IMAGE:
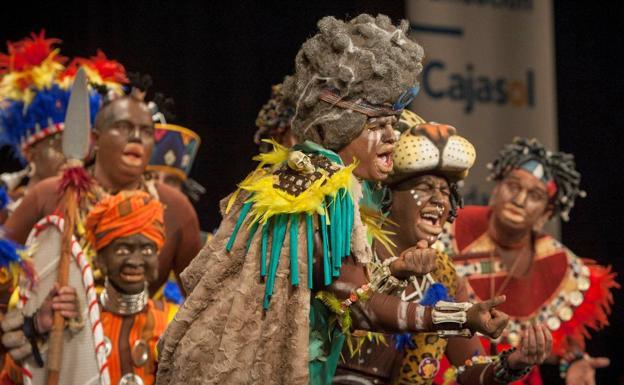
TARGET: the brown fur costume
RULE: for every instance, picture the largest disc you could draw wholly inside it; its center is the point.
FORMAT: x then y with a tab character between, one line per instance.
221	334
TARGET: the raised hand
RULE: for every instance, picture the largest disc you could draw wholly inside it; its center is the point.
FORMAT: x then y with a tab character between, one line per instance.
417	260
482	317
583	372
535	347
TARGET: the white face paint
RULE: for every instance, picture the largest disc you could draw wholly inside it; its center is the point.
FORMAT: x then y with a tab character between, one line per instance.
372	149
373	137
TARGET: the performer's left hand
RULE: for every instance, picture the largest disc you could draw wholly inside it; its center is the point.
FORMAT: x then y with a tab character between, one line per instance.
417	260
583	371
535	347
62	299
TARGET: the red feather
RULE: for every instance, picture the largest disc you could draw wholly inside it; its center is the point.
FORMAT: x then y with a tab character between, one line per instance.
28	53
592	313
108	69
77	178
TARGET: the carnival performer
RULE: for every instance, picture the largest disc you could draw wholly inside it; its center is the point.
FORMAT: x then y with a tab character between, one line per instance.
22	335
430	160
127	231
501	249
175	148
123	138
33	102
12	264
273	121
293	230
34	93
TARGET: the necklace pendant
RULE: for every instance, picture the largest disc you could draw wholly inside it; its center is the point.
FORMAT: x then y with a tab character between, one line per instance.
131	379
108	346
140	353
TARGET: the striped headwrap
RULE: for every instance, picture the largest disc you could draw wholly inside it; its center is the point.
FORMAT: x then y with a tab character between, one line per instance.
124	214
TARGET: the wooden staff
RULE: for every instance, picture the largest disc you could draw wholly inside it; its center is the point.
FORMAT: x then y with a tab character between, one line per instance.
55	351
75	181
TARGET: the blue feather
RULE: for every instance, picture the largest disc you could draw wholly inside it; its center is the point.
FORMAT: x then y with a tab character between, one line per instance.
8	252
18	121
4	198
402	341
172	293
436	292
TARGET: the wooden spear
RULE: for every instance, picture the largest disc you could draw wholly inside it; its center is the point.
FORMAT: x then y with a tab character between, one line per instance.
74	182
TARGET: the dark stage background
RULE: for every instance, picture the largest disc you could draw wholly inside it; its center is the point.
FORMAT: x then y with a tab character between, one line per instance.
218	59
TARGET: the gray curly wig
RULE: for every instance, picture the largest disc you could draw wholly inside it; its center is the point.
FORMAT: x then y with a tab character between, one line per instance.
364	59
559	166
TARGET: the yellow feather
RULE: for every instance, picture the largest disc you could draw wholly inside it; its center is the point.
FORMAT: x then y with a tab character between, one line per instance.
272	158
374	222
269	201
277	156
39	77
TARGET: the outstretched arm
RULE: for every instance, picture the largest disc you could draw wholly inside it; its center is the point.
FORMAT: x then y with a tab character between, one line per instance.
383	312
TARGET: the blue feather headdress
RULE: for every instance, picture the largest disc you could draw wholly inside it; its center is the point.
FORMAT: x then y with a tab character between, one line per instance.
35	87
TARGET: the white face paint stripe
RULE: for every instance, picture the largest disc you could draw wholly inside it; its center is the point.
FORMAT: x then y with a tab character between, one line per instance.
419	319
402	315
374	138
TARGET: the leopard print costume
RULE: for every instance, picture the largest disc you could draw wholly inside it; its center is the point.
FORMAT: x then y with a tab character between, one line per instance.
421	363
407	120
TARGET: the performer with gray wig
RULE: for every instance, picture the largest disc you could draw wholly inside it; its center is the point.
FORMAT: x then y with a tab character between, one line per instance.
292	248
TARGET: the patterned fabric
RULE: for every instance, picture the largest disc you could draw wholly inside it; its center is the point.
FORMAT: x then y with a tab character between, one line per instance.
422	362
295	183
174	150
124	334
124	214
569	294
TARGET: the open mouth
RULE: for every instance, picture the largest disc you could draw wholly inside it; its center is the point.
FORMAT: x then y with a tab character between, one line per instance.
132	274
133	154
384	159
430	220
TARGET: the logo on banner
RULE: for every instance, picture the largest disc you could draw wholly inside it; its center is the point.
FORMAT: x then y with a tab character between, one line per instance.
473	88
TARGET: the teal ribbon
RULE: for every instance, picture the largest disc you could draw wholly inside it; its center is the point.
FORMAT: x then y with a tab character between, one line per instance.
336	235
264	246
326	269
310	239
294	260
279	232
239	222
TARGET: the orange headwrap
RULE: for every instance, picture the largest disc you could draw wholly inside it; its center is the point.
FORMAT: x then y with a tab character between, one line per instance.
125	214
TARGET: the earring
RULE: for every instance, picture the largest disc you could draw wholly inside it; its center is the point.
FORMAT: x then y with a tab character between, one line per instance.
31	169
